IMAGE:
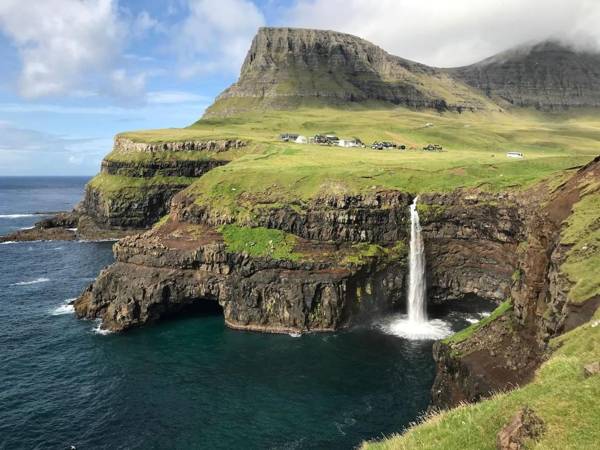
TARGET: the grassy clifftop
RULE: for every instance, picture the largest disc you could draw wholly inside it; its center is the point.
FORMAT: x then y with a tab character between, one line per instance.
475	153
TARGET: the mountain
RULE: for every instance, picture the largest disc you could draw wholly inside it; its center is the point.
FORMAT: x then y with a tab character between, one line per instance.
547	75
289	67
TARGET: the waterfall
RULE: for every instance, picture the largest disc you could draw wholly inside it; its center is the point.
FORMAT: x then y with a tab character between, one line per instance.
415	325
416	274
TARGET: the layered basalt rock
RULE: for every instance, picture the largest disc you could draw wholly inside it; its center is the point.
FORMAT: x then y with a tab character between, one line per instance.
180	264
177	168
471	242
127	145
264	294
137	209
378	217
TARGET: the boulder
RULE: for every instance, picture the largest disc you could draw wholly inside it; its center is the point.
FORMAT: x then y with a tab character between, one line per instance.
525	424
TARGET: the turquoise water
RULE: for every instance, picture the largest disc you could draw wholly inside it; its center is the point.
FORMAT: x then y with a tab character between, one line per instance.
187	382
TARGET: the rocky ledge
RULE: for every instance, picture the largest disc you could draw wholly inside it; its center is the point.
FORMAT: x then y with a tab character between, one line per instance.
177	265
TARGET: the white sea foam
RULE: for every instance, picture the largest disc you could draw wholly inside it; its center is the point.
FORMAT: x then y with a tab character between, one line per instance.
21	242
92	241
27	228
16	216
101	331
27	283
65	308
400	325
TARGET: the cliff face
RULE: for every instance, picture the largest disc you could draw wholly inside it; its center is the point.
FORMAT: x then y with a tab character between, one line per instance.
505	353
186	261
287	67
178	265
547	76
138	180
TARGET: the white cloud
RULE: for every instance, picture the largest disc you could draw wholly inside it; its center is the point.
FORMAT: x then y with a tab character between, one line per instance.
20	146
126	87
447	33
216	35
175	97
67	46
145	23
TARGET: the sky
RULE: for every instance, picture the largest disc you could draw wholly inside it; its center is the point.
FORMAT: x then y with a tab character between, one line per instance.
76	72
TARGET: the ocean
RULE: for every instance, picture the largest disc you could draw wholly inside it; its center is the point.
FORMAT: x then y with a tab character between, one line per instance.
186	383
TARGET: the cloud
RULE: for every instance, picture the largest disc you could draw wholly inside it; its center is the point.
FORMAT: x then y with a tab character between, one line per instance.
215	36
175	97
449	33
145	23
68	45
20	146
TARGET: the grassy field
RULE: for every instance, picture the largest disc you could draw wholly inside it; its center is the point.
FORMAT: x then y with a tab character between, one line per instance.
475	153
566	401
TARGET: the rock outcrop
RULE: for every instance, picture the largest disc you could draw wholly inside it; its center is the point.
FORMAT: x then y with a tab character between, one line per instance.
166	269
524	425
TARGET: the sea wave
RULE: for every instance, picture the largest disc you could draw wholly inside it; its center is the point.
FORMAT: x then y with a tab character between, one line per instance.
99	330
27	283
27	228
93	241
21	242
16	216
65	308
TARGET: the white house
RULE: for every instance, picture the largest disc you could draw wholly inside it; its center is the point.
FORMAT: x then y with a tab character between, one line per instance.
514	155
348	143
301	140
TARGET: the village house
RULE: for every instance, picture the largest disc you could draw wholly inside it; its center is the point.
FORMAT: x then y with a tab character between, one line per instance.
288	137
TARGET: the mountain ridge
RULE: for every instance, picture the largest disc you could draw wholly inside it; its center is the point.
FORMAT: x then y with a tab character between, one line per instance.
290	67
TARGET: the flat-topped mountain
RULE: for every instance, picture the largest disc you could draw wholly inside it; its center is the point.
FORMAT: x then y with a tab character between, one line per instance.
547	75
289	67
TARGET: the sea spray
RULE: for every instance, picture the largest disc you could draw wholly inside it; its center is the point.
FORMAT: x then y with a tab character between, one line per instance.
416	276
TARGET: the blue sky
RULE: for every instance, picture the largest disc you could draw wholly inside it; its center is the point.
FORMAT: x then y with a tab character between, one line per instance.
76	72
